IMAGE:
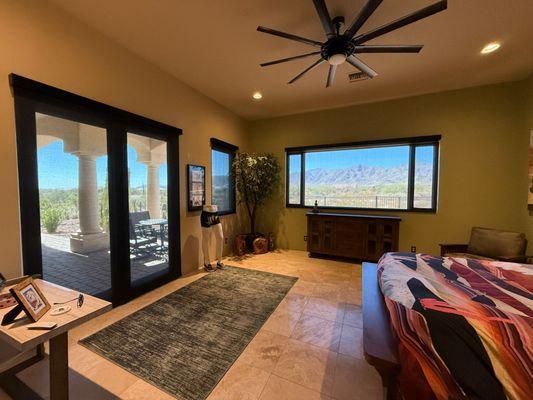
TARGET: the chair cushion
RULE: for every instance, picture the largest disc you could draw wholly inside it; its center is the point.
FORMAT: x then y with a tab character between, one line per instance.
467	255
494	243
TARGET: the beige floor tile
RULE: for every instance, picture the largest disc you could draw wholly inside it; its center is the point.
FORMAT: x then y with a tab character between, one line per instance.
81	386
281	389
318	332
241	382
307	365
37	377
293	303
350	294
335	277
351	343
353	315
329	291
82	359
326	309
142	390
282	322
110	376
303	287
356	380
308	275
264	350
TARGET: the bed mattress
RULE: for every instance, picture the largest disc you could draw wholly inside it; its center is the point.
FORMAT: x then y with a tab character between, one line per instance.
464	326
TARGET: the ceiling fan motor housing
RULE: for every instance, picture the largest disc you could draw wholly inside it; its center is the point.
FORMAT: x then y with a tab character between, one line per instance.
337	45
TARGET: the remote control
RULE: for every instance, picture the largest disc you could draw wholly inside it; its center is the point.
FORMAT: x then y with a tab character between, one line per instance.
43	326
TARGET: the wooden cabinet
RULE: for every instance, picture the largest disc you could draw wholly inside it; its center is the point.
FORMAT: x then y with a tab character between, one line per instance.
363	237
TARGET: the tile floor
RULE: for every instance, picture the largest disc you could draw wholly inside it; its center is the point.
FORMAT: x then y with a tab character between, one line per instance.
310	348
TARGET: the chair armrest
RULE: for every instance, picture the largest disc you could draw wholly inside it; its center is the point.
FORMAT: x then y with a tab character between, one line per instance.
514	259
446	248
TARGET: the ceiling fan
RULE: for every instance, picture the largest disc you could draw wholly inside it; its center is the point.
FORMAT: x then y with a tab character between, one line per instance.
340	47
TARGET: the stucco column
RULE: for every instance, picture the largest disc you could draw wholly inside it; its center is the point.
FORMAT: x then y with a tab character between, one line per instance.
88	195
153	195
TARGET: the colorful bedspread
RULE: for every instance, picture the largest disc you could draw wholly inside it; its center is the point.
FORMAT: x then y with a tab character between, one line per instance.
465	326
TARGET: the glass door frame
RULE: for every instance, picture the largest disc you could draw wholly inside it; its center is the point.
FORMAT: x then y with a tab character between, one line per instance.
31	97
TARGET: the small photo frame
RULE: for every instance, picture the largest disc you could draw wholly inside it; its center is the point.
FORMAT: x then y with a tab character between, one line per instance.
30	299
196	187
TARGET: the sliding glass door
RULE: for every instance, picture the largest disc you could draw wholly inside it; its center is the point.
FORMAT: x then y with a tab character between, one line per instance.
148	207
99	193
73	204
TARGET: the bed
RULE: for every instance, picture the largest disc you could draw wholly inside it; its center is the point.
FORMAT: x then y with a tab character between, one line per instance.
449	328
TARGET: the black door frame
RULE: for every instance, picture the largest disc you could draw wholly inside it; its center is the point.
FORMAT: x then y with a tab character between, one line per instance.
32	97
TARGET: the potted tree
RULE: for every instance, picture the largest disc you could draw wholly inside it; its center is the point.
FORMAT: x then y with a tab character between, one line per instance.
256	178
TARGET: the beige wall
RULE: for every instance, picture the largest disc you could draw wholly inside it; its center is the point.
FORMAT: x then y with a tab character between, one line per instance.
483	164
40	42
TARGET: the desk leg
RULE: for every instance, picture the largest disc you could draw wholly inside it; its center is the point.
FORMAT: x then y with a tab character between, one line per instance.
59	367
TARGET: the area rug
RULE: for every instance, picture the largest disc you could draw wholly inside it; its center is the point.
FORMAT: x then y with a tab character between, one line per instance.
185	342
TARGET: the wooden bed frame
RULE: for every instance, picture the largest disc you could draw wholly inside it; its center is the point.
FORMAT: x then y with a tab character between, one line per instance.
379	342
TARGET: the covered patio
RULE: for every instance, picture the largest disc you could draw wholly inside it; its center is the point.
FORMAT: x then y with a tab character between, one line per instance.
88	273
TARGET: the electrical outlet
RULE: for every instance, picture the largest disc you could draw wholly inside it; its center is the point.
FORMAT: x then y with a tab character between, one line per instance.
413	249
305	238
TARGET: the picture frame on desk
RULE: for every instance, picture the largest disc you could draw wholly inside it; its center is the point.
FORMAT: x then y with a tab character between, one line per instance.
30	299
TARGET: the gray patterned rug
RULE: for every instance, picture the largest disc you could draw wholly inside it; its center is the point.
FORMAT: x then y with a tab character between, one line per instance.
185	342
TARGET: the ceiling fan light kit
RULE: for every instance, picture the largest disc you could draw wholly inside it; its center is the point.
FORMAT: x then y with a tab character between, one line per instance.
343	47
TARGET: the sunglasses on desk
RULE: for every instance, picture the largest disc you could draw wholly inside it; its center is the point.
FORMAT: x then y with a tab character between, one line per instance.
79	299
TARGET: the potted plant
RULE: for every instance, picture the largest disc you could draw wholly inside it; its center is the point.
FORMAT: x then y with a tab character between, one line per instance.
256	178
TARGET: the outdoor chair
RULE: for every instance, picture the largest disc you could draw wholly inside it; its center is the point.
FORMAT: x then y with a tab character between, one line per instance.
142	238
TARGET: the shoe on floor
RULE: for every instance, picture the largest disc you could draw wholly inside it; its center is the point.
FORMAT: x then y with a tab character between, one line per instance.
208	268
221	266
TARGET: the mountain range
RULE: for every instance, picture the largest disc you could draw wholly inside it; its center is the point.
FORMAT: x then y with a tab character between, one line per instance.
364	175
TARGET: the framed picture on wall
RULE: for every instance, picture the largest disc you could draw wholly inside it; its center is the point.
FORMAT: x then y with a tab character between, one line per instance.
196	187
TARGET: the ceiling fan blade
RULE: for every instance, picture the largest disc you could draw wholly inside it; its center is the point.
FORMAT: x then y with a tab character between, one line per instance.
314	53
320	60
331	75
362	17
361	66
323	14
397	48
288	36
399	23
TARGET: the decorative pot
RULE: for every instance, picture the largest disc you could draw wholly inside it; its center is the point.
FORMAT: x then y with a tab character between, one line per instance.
240	245
260	245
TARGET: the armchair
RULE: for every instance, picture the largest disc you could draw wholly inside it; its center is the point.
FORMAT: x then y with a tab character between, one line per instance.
490	244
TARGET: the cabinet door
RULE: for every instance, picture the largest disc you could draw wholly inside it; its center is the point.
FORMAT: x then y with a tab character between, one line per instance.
373	243
314	242
328	236
388	238
350	237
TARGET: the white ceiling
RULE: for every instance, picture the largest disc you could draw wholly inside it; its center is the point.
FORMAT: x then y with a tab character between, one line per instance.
213	46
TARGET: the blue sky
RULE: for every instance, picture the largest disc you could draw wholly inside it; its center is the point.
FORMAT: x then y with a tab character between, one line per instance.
374	157
59	170
220	163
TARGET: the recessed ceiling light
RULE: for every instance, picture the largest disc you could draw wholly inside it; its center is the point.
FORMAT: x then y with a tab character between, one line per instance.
491	47
257	96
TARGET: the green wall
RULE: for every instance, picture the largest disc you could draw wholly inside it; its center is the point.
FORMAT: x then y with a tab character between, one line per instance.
483	161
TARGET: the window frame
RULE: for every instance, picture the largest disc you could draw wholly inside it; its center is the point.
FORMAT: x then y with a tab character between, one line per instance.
412	142
231	150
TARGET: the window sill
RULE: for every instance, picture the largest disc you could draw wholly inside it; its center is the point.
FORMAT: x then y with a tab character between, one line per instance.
396	210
